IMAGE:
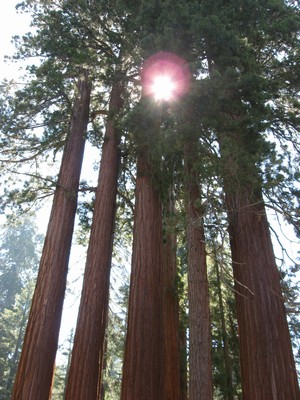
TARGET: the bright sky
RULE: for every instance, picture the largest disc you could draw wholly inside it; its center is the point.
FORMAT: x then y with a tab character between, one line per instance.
11	23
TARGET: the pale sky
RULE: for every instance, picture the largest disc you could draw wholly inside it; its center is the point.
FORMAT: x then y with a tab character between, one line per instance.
11	23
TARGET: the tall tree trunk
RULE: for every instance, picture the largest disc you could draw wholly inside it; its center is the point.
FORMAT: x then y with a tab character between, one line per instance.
200	369
227	361
171	313
35	370
267	364
87	354
142	370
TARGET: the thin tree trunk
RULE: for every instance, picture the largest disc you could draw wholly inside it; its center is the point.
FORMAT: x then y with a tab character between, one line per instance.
70	341
87	354
236	370
183	359
101	388
227	361
267	365
142	369
200	369
35	370
171	314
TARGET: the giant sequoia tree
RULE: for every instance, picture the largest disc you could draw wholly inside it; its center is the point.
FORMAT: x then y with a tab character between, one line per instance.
35	370
143	369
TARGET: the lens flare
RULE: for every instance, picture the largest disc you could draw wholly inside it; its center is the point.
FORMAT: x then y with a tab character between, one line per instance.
163	87
165	76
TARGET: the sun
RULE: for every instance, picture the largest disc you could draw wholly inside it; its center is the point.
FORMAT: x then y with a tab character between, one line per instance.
165	77
163	87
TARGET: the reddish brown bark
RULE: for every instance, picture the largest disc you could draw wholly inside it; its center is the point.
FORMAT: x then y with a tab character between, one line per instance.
267	364
172	362
142	370
200	362
35	370
87	354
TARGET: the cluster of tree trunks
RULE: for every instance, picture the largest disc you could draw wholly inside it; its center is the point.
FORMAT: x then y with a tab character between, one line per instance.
87	355
152	364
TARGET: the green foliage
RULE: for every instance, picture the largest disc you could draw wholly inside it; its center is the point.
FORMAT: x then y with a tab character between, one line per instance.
66	39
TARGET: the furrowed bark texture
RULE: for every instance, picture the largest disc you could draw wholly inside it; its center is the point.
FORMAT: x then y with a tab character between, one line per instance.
267	364
171	319
35	370
142	370
200	369
87	354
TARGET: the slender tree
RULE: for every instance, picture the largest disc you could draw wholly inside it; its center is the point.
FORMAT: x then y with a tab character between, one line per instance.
223	359
87	355
35	370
